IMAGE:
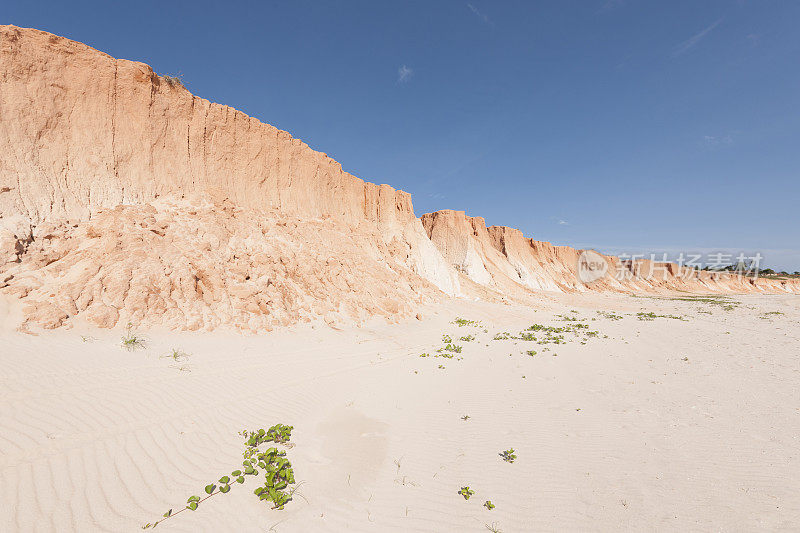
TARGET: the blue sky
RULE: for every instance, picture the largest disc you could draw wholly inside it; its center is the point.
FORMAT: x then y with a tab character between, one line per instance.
614	124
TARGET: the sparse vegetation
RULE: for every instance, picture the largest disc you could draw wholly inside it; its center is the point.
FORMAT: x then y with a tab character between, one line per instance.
466	492
652	316
131	340
488	504
609	315
176	355
461	322
278	472
172	80
509	455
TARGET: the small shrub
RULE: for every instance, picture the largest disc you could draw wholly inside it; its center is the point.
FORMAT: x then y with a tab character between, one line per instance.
172	81
488	504
466	492
131	340
508	456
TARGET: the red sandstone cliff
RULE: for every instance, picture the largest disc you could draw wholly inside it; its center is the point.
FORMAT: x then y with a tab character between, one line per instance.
82	133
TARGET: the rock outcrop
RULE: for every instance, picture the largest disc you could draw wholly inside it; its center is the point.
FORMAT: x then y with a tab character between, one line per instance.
82	133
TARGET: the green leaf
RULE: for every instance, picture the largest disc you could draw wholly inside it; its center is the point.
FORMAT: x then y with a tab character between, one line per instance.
192	506
236	473
240	479
224	479
146	526
167	514
224	488
193	499
210	488
259	490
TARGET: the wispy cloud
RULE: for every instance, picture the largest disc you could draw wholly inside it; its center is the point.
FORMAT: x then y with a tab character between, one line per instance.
404	74
711	140
611	4
692	41
562	222
480	15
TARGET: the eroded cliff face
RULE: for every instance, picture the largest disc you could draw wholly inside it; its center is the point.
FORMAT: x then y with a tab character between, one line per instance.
503	259
125	198
82	133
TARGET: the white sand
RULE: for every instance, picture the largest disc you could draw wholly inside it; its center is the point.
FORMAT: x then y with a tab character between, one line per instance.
621	433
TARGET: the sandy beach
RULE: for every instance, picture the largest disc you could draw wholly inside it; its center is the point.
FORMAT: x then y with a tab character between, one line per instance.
683	421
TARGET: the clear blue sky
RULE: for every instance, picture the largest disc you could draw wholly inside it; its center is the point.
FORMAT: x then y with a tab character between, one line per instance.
616	124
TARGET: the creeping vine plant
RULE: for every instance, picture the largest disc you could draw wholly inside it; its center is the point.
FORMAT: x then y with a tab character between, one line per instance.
278	472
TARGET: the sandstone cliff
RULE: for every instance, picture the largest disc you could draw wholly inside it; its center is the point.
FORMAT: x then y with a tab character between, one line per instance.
503	259
82	133
123	197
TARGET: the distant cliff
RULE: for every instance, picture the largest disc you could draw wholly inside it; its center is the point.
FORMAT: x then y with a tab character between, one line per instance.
502	258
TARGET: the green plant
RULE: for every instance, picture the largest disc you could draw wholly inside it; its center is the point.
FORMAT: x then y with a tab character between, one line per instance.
467	338
609	315
531	352
465	417
508	455
460	322
454	348
488	504
131	340
425	355
278	472
653	316
446	339
502	336
176	355
493	528
466	492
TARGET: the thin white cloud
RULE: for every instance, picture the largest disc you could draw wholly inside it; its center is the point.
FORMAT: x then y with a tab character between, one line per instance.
480	15
692	41
404	73
711	140
612	4
562	222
